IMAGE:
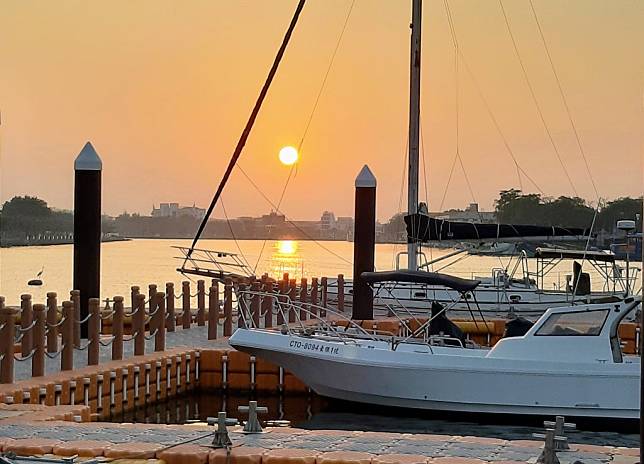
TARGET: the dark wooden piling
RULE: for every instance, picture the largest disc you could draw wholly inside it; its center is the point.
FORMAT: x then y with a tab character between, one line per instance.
242	303
138	326
87	230
159	323
283	290
325	296
256	303
228	308
340	284
267	304
75	298
67	338
52	323
292	294
313	308
185	304
201	303
170	320
26	320
213	310
117	329
94	331
303	299
38	358
364	243
7	335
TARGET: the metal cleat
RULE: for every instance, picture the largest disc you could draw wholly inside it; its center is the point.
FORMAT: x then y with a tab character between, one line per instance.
221	440
559	426
549	453
252	425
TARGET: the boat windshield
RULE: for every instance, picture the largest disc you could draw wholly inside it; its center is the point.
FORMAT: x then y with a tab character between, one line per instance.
584	323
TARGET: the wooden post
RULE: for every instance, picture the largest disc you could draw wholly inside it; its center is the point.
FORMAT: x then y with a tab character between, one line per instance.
67	339
75	298
138	326
292	293
267	304
26	319
213	310
201	303
185	300
364	243
159	337
325	293
242	311
152	304
87	231
52	320
283	290
341	292
228	307
94	331
304	289
170	320
7	335
117	329
38	359
314	296
256	303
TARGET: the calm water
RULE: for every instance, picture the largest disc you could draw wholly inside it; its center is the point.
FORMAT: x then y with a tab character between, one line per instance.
145	261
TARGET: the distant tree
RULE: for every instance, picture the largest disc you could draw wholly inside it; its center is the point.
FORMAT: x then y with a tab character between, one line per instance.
514	207
568	212
395	228
25	207
621	208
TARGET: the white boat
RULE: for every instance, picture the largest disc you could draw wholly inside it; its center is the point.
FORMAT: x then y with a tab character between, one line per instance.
569	363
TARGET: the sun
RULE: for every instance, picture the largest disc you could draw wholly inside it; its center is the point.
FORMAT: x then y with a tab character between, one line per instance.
288	156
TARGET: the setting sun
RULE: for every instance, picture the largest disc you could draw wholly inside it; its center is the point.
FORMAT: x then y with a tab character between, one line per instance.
288	156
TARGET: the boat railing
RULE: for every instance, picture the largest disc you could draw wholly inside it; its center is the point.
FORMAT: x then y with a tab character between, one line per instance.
212	263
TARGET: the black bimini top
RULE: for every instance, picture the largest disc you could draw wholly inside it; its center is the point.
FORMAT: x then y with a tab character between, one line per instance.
421	277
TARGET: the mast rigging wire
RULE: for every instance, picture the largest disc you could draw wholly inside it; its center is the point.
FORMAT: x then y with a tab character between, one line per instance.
249	124
564	99
534	98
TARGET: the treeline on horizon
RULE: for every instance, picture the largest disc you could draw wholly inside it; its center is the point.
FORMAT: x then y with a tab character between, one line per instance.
31	215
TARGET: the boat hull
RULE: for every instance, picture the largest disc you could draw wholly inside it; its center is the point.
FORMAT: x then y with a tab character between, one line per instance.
461	381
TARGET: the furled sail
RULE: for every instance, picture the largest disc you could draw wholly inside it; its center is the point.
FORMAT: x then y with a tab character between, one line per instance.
422	228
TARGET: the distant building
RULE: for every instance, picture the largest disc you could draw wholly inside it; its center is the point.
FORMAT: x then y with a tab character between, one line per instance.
174	210
469	214
327	221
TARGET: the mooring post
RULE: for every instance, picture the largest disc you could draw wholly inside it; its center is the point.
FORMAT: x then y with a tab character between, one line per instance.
228	307
185	303
364	243
152	305
7	335
67	339
340	283
256	303
325	296
74	295
159	337
213	310
281	301
267	304
26	319
292	294
314	296
87	229
94	331
242	311
138	326
201	303
304	290
117	329
38	359
170	320
52	320
134	291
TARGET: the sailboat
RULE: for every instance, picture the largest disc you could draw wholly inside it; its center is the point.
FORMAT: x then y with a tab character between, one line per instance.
569	362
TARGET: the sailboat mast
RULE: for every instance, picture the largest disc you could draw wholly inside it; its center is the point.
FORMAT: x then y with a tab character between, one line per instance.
414	124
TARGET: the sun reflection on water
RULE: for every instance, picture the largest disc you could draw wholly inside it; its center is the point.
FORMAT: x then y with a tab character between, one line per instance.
285	258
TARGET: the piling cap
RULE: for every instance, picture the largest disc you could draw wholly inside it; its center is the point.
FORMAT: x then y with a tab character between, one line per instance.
88	159
366	178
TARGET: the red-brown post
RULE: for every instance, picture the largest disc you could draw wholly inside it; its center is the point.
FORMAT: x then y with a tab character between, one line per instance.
138	326
304	296
117	329
38	359
93	331
292	293
256	303
187	315
74	295
267	304
152	304
159	337
170	320
133	293
285	277
242	309
201	303
67	340
52	320
26	319
213	310
283	290
314	296
325	294
7	334
228	308
341	292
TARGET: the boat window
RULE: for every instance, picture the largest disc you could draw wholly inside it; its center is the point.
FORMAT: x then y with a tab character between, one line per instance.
577	323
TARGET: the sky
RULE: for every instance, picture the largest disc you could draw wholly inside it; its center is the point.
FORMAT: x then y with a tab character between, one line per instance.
163	89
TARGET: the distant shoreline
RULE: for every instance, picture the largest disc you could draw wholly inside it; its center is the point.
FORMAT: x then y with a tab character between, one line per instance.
32	243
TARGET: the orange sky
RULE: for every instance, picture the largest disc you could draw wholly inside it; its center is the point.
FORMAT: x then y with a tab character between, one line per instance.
163	89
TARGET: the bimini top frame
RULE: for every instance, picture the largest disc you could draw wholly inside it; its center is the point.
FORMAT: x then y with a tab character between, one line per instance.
217	265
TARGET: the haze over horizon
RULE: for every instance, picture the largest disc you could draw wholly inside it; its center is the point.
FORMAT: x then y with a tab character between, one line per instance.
163	90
